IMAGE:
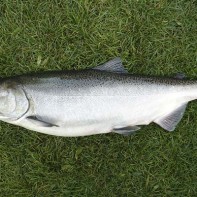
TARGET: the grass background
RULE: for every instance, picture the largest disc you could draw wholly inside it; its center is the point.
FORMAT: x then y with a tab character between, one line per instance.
153	37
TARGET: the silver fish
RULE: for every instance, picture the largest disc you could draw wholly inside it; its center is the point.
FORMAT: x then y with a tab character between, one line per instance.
92	101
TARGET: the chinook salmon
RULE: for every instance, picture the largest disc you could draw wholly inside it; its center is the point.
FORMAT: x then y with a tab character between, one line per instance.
92	101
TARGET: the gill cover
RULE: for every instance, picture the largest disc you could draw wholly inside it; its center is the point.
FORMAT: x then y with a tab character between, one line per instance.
13	101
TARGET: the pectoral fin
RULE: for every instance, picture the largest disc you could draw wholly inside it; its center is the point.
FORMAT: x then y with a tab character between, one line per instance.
170	121
126	131
34	120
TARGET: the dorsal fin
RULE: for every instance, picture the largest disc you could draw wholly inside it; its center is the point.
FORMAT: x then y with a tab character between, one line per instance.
114	65
169	121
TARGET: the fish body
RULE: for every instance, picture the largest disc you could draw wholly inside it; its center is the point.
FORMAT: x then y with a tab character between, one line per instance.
92	101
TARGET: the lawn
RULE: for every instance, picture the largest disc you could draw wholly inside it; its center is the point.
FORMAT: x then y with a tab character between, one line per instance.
153	37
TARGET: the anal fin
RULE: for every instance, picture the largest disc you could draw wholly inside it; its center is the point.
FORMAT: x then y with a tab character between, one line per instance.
170	121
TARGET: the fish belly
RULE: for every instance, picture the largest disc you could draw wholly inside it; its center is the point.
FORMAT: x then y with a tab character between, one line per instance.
88	115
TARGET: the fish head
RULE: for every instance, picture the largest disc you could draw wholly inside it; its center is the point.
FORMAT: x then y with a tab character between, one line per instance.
13	101
7	100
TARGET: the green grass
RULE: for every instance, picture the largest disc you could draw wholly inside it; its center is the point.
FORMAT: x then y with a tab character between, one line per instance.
152	37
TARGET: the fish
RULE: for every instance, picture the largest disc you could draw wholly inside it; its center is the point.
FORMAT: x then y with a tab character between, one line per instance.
103	99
